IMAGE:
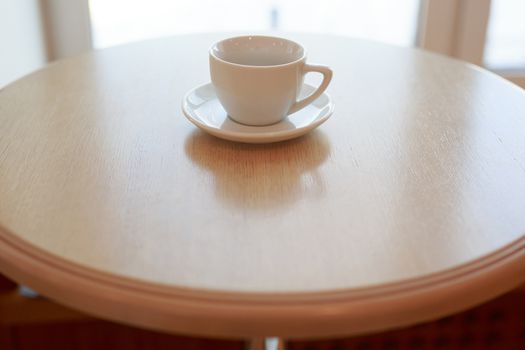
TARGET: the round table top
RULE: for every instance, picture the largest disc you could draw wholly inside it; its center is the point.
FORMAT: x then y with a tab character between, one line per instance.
405	206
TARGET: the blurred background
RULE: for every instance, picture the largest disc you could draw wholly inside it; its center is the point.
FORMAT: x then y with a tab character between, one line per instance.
490	33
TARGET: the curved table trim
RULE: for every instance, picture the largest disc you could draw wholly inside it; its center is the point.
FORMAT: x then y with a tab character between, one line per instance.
290	315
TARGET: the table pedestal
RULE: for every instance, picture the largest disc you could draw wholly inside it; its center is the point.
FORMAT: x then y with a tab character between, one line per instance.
269	343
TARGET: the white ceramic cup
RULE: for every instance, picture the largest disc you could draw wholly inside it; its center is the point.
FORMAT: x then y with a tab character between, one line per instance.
258	78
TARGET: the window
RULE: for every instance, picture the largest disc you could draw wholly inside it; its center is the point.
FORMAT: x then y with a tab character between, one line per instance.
505	47
486	32
119	21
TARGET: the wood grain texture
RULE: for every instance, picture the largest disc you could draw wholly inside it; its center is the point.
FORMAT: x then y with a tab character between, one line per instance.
405	206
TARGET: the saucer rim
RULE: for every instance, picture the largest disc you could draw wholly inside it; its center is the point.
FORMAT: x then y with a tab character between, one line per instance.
221	133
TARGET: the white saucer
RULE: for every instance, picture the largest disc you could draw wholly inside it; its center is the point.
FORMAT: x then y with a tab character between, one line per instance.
203	109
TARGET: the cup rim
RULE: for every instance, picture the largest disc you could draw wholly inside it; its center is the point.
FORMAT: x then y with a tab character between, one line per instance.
303	56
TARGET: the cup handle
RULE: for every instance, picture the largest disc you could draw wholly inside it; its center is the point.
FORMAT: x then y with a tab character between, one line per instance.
327	76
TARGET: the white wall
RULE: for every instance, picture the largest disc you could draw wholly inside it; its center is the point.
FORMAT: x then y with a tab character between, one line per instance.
22	47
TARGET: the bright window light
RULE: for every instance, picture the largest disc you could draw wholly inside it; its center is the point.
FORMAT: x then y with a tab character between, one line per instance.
120	21
505	48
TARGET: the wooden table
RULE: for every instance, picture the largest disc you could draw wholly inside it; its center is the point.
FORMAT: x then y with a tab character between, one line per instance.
407	205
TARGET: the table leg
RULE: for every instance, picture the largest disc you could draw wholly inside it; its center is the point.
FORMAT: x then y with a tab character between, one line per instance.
268	343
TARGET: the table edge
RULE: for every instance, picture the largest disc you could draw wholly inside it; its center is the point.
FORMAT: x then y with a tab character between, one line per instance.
247	314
